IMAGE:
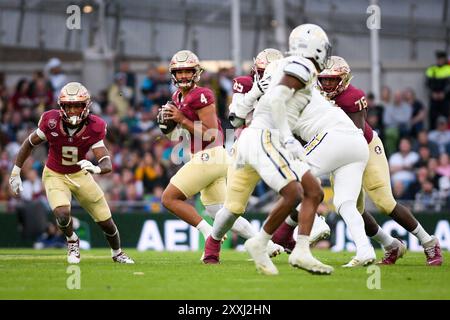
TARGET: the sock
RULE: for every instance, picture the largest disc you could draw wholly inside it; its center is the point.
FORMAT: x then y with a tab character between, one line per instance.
243	228
204	228
383	238
264	237
303	242
212	209
291	222
73	237
355	224
223	222
421	234
115	252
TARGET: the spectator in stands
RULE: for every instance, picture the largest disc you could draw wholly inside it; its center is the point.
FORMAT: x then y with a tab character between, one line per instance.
21	99
150	174
42	96
32	186
130	82
401	163
433	175
148	89
427	198
417	122
119	94
443	168
441	135
423	141
375	115
56	75
438	79
396	120
424	157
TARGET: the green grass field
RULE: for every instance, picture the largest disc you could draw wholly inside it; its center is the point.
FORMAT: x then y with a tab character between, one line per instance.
30	274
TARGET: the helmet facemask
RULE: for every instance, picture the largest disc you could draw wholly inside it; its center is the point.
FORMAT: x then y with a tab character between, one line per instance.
74	101
180	83
337	70
185	60
74	118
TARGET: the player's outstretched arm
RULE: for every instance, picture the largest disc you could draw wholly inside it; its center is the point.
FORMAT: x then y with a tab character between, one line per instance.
25	150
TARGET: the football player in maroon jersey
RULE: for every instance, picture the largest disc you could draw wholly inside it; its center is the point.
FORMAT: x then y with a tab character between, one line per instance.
334	82
71	132
193	108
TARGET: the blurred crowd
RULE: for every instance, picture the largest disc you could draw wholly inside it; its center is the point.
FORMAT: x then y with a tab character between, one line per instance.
416	134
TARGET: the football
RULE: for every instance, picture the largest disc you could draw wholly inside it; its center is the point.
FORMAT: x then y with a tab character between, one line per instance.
166	125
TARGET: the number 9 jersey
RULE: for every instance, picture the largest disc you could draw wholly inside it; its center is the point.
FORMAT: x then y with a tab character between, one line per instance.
66	150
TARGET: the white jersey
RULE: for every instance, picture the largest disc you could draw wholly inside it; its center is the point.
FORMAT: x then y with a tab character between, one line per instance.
308	112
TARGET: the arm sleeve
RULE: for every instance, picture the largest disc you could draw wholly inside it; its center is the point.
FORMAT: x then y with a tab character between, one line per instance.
41	134
278	98
299	71
239	107
98	144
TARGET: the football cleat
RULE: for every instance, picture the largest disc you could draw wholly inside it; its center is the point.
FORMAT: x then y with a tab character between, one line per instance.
364	261
274	249
258	252
320	230
123	258
393	252
73	251
432	251
212	251
303	259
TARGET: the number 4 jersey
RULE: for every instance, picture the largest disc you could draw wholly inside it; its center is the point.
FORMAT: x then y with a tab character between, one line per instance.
353	100
65	150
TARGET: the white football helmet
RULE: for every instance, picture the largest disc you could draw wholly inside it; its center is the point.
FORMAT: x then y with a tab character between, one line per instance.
310	41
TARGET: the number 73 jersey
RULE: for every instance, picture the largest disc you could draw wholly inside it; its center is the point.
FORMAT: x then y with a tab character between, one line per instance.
65	150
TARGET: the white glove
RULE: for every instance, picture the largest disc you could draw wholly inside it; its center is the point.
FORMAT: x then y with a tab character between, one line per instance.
295	149
259	87
263	83
15	181
86	164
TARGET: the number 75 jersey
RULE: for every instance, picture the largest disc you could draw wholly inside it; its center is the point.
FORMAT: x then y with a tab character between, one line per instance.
65	150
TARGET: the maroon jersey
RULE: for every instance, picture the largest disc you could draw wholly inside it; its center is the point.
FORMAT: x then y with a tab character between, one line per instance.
353	100
65	151
197	98
242	84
